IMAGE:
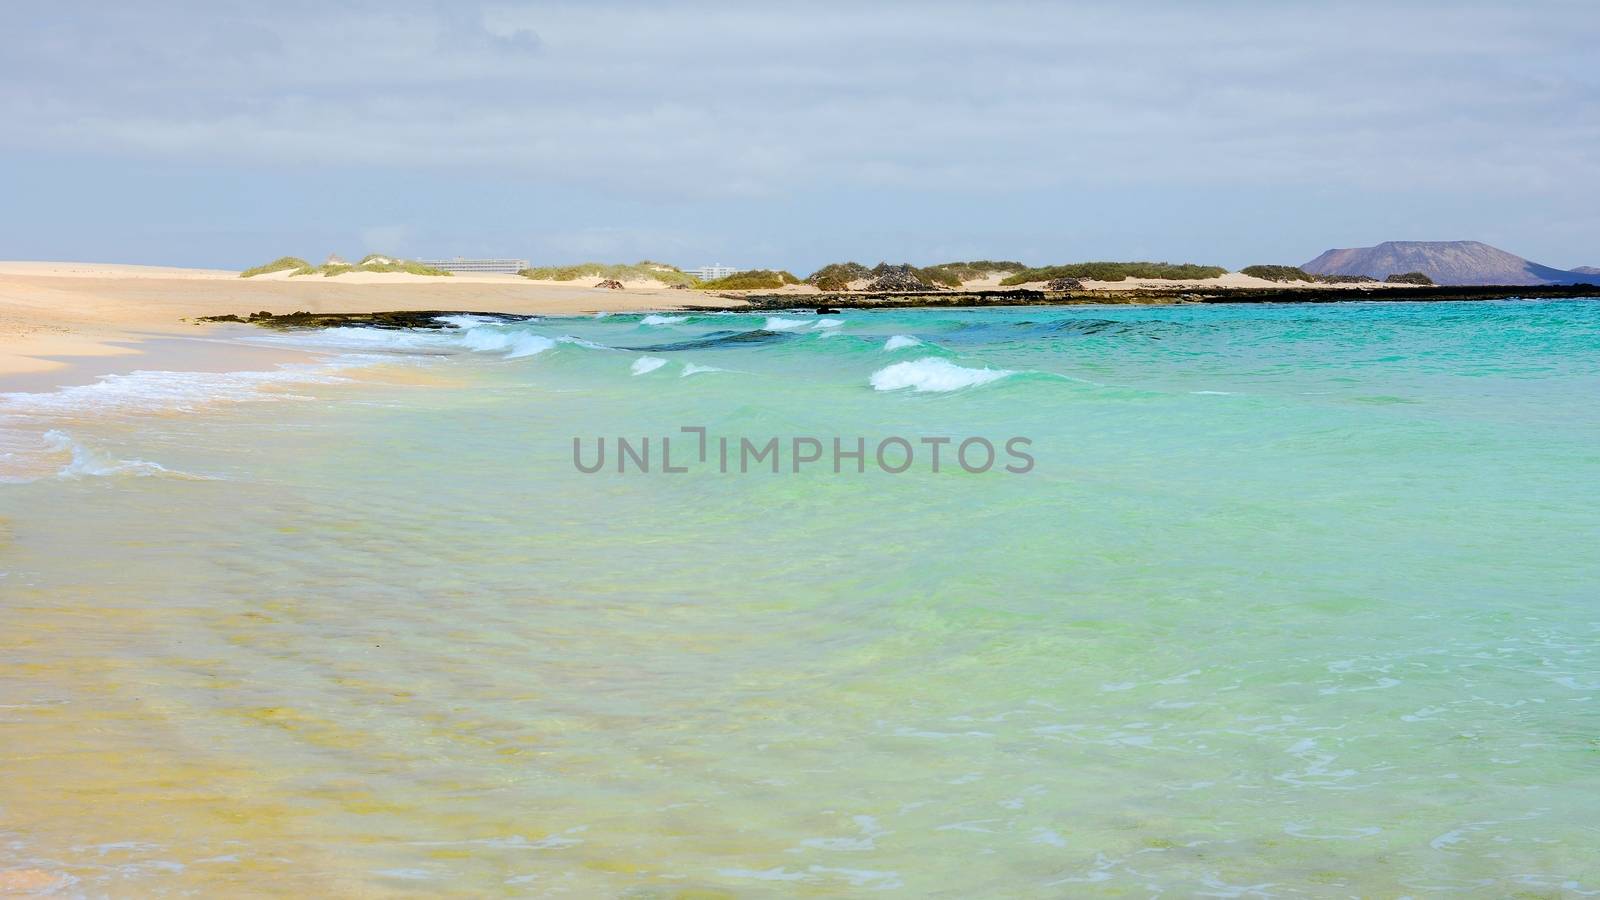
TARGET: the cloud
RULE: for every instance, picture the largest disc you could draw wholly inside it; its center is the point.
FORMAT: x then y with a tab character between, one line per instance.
673	118
735	99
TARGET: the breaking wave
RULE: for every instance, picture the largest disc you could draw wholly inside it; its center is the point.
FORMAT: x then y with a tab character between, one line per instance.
778	323
932	374
718	339
514	344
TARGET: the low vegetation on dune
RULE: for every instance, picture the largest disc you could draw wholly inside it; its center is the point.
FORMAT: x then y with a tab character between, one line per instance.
938	277
906	277
644	270
1295	273
1278	273
282	264
1117	271
837	276
974	270
372	262
1409	278
883	276
752	280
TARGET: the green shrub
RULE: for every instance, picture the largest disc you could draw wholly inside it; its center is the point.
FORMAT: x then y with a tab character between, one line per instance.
1294	273
954	273
280	264
639	271
1409	278
837	276
372	262
902	276
1117	271
752	280
403	265
1278	273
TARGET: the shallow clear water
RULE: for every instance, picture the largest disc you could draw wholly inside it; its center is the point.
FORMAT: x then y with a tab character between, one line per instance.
1294	600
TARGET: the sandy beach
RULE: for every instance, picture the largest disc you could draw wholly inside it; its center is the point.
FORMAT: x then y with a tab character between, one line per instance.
51	313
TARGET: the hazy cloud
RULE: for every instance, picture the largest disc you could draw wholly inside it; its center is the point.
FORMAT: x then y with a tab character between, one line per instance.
706	105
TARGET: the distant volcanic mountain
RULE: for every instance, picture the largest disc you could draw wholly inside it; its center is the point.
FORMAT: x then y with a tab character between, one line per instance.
1587	270
1446	262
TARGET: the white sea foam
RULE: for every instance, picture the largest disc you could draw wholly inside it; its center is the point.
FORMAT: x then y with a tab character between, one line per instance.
90	463
662	320
29	444
778	323
899	341
826	323
580	342
348	337
694	369
145	391
478	334
932	374
515	344
646	364
468	321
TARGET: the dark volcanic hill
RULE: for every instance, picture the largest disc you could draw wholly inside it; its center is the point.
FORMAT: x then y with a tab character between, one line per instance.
1446	262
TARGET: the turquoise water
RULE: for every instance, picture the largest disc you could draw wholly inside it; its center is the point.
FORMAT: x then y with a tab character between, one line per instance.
1294	600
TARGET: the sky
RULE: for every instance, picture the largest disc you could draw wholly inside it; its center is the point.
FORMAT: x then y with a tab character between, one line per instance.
790	135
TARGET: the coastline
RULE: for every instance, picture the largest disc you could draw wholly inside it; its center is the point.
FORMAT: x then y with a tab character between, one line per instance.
54	314
63	322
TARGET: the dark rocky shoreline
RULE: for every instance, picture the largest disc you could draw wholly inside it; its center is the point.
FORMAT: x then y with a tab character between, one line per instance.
1158	296
429	318
420	318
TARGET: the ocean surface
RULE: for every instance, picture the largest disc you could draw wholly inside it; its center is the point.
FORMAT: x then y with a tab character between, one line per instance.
1286	601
